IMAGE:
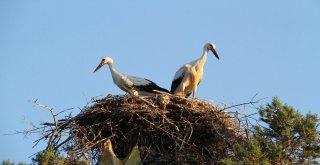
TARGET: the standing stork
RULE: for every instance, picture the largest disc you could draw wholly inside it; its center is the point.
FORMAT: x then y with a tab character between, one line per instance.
188	77
135	86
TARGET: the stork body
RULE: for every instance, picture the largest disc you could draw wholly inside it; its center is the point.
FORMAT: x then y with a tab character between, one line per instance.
135	86
188	77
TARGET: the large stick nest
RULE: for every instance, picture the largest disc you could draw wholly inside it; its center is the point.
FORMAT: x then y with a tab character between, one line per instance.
183	131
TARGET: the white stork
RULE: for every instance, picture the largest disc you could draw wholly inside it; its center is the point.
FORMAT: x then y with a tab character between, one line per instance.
188	77
135	86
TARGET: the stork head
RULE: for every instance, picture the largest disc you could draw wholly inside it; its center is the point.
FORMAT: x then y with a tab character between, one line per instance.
106	60
212	47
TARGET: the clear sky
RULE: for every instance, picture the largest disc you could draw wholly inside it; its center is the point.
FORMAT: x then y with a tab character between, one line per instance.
49	50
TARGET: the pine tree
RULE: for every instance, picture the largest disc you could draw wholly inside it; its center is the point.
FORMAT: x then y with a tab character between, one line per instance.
285	136
289	136
51	157
8	162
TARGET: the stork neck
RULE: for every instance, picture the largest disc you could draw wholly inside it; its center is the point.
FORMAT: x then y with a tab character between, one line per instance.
113	71
203	58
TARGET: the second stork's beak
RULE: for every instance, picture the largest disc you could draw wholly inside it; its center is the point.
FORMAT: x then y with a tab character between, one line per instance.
215	53
99	66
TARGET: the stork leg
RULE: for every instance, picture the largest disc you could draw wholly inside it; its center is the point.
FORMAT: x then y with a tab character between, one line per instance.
194	90
193	95
182	91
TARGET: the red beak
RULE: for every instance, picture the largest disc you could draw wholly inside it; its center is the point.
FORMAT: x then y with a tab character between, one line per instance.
98	67
215	53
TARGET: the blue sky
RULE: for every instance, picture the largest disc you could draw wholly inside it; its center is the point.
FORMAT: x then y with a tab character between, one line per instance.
49	50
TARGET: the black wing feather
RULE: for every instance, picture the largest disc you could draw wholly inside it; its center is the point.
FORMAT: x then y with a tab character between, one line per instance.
175	83
150	87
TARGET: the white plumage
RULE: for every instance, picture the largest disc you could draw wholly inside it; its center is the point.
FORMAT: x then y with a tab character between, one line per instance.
135	86
188	77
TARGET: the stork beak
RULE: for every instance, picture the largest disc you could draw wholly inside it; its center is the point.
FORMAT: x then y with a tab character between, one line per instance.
215	53
98	67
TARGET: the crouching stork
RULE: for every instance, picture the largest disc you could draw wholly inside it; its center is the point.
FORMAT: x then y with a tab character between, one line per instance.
135	86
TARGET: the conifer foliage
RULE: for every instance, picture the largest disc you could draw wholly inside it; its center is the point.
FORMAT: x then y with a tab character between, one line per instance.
285	136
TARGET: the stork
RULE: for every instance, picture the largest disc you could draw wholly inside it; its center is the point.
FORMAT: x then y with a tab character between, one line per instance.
188	77
135	86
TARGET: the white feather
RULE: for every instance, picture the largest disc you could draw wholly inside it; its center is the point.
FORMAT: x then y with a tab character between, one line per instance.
181	72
